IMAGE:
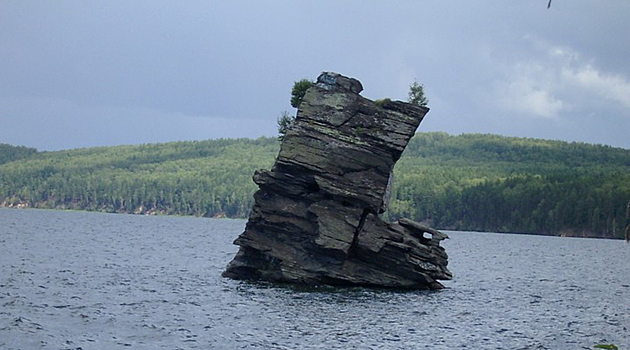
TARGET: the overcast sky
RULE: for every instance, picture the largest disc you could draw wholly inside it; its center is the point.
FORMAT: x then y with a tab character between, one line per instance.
94	73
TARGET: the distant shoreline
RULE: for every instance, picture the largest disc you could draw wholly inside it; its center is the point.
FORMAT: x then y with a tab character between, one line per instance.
245	218
470	182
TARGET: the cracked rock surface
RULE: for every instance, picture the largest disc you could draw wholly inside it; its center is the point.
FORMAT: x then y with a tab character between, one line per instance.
315	217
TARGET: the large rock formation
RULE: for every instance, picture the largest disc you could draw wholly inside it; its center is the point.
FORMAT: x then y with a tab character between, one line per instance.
315	218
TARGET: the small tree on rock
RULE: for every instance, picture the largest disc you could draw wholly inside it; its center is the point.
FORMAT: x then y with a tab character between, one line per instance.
298	91
416	95
284	123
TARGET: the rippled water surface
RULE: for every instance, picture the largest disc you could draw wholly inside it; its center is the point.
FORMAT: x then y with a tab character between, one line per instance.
74	280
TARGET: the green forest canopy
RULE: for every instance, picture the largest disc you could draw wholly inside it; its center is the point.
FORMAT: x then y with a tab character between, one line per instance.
466	182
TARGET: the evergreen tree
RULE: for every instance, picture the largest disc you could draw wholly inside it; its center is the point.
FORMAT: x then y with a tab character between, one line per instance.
285	121
416	95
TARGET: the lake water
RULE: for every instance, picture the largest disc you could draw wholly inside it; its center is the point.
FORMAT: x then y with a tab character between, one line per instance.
75	280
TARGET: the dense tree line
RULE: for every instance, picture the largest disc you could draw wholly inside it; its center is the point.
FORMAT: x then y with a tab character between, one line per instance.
204	178
10	153
466	182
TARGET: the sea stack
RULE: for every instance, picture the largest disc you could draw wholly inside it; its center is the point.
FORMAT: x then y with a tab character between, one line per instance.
315	219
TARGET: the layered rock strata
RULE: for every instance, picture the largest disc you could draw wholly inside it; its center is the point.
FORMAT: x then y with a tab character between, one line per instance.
315	217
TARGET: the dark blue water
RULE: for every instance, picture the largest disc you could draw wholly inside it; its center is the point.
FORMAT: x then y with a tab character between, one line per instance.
74	280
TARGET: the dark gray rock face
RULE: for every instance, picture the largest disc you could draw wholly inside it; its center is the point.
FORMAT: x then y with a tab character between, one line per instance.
315	218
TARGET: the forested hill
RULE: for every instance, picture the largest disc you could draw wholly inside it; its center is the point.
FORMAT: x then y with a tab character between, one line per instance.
467	182
494	183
